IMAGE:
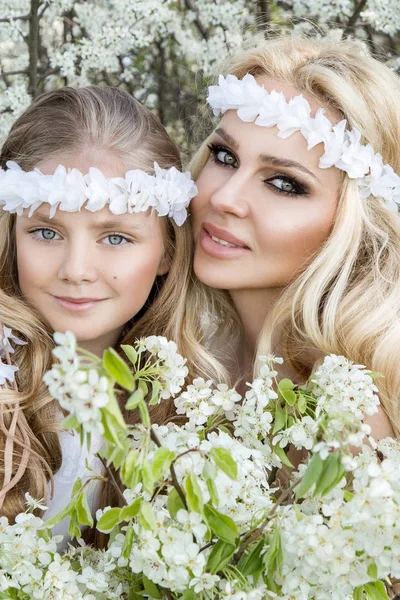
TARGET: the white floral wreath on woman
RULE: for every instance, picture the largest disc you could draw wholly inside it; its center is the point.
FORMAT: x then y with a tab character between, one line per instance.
168	191
342	148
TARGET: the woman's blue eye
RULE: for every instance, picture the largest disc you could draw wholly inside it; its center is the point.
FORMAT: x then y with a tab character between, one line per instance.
285	185
222	155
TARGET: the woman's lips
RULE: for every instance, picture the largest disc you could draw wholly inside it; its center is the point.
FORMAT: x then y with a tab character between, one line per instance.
78	304
221	247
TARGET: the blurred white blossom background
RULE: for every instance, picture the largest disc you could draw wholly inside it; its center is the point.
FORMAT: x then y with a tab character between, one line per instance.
162	51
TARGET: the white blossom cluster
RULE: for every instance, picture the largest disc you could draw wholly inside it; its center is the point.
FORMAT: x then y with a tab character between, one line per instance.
7	339
171	364
31	568
335	544
82	392
171	553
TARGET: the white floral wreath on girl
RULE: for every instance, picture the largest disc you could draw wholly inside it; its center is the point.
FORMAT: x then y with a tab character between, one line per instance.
168	191
342	148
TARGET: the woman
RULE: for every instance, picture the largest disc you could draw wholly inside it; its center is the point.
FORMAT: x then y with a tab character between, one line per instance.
307	258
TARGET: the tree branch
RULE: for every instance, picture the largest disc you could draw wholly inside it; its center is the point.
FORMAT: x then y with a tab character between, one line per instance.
19	18
198	23
263	16
353	19
33	45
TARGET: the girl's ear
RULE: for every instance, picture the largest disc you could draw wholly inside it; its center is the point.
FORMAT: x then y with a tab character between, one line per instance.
164	265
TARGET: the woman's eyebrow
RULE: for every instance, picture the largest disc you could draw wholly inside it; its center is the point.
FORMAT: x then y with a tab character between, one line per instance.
228	138
267	158
275	161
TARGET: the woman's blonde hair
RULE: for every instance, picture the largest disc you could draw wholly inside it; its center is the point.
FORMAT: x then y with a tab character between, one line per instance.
347	298
64	122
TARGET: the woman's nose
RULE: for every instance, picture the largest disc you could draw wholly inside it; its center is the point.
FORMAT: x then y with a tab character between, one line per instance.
231	197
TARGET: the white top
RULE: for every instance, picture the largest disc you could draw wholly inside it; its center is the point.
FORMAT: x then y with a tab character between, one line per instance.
75	462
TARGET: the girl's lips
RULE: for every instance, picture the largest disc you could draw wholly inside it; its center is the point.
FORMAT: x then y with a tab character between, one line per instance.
78	305
217	250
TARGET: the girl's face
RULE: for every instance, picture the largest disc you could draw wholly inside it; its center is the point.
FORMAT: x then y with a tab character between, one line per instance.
264	205
88	272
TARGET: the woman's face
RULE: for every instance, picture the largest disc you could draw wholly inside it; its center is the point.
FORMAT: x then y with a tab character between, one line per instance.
88	272
264	205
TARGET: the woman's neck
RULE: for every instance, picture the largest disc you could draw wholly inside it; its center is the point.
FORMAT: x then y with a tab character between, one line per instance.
253	307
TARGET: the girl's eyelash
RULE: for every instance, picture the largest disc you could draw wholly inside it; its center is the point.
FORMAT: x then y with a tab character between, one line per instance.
43	229
299	188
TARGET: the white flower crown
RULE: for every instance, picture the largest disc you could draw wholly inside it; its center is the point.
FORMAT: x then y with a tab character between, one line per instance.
168	191
342	147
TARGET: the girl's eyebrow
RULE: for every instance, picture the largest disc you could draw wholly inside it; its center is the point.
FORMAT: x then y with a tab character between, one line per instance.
113	224
274	161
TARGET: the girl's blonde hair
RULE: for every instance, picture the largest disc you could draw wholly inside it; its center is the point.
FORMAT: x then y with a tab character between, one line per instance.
64	122
347	299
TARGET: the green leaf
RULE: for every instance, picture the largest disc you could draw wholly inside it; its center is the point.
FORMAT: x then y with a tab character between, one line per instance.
372	571
279	419
376	591
83	511
130	353
129	471
131	511
109	520
271	558
174	503
328	477
219	556
155	390
134	399
147	519
311	475
118	369
212	490
73	527
281	454
224	461
358	593
144	415
147	478
162	460
151	589
221	525
128	542
70	422
286	389
302	404
252	563
194	497
189	594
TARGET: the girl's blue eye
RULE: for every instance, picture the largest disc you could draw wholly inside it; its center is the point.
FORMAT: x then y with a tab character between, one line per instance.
115	239
44	234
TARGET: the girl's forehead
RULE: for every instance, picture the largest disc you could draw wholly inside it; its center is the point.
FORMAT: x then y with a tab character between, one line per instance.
104	160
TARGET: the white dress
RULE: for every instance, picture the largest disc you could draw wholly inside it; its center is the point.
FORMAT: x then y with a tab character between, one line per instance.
76	462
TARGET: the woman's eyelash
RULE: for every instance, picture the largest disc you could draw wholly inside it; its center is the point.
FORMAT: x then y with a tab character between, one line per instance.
215	149
299	189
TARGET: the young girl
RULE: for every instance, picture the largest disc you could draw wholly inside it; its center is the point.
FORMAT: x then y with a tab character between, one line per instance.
296	237
89	242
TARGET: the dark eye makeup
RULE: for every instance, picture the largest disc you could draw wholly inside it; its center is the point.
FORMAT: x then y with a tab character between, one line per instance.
280	182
